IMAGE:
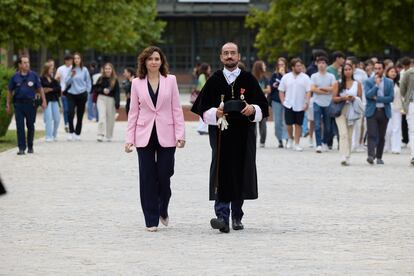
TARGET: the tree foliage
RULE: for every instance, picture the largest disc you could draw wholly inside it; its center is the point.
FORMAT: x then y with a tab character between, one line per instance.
107	26
359	26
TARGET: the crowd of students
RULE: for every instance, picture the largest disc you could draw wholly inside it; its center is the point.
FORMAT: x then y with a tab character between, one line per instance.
373	113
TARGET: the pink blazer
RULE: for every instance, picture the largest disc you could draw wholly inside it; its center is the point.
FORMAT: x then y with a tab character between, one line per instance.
168	114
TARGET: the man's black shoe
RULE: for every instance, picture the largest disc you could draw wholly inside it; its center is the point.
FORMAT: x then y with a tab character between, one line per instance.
20	152
370	160
412	161
237	224
220	224
30	150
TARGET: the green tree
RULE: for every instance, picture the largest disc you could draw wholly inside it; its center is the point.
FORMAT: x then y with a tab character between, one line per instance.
359	26
107	26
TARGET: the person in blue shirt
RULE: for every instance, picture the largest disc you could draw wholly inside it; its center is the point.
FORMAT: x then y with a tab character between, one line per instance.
23	87
80	86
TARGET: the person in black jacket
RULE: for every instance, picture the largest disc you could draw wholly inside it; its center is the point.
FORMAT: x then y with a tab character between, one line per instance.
107	88
51	115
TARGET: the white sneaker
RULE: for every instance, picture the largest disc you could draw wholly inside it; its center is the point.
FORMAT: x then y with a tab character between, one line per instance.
324	147
345	161
48	140
310	142
298	148
108	139
289	144
319	149
69	137
76	137
100	138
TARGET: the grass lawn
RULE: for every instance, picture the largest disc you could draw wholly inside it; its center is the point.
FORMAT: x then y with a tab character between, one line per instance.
9	141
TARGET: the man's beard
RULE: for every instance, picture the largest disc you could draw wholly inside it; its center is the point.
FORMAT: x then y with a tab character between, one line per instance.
231	65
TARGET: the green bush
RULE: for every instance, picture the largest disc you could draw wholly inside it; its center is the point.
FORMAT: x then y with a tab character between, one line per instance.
5	119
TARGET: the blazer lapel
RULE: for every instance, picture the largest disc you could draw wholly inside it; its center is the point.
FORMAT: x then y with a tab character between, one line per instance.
162	92
146	93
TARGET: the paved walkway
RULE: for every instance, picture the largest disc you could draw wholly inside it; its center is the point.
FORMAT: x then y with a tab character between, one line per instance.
73	209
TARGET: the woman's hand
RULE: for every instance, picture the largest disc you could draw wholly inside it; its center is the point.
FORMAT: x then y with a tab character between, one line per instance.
180	144
129	147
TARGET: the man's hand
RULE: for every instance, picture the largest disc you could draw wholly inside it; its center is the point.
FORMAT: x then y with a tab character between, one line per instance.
44	104
129	147
8	109
219	112
248	110
377	80
306	107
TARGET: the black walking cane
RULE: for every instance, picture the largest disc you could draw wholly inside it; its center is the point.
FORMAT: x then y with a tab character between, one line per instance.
218	155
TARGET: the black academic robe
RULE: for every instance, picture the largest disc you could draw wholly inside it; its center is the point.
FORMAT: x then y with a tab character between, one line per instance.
233	165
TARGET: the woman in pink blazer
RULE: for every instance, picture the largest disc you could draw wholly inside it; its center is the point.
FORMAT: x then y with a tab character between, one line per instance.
155	127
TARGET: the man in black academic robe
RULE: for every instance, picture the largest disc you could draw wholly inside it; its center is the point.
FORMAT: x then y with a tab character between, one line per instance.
233	176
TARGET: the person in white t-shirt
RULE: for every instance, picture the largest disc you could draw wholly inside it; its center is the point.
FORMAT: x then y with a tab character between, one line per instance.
294	92
61	75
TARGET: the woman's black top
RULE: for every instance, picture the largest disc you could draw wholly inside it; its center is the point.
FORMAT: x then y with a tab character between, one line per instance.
105	82
52	96
154	96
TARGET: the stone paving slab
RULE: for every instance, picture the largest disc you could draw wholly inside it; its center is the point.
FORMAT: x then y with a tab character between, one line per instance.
72	208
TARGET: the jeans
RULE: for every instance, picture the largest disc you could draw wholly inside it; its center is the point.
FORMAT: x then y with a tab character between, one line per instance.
320	114
25	111
76	102
278	118
51	117
377	127
65	108
92	109
222	209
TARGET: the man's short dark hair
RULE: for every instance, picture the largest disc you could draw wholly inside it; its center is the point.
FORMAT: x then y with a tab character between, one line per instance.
318	53
353	60
68	57
338	54
322	58
294	61
19	58
382	63
405	61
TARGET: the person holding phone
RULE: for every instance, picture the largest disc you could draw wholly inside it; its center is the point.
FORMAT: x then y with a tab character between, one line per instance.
346	91
80	86
155	128
379	92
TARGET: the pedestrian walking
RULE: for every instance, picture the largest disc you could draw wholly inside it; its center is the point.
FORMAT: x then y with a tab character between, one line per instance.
51	115
23	87
393	134
379	92
129	75
322	84
294	93
155	127
259	71
62	72
349	93
231	102
80	86
277	107
204	72
107	89
407	93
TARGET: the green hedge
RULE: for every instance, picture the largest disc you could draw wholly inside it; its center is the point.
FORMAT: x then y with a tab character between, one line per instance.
5	119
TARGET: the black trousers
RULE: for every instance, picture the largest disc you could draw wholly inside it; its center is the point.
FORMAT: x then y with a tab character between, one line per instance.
404	129
376	128
77	102
156	166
